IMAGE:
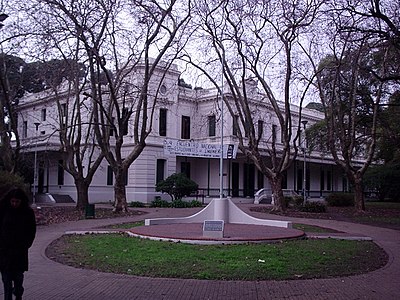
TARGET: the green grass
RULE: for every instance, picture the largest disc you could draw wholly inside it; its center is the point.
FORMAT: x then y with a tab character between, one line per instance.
384	213
125	225
311	228
385	205
378	220
287	260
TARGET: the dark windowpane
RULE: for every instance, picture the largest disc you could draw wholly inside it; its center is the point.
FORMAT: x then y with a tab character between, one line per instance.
163	122
284	180
328	180
274	130
260	180
60	173
235	125
185	168
185	130
299	183
260	128
235	179
110	176
211	125
64	115
248	180
160	170
25	129
345	184
43	114
322	180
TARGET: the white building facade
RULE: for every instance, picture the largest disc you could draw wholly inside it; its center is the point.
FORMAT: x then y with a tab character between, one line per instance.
182	113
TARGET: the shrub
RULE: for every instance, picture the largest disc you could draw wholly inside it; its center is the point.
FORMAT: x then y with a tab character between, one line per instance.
288	200
295	201
136	204
298	201
9	180
195	203
340	199
160	203
179	203
177	186
313	207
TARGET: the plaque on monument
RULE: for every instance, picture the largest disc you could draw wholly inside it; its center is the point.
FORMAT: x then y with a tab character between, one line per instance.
213	228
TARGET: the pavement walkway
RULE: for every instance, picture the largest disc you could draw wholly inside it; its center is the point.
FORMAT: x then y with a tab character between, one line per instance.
47	279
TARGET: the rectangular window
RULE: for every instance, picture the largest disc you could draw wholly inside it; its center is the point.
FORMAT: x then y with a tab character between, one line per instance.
162	129
282	136
274	131
284	180
328	180
60	173
235	124
185	129
25	129
110	176
211	125
260	128
260	180
299	181
185	168
160	171
345	184
63	115
112	126
247	128
322	180
43	115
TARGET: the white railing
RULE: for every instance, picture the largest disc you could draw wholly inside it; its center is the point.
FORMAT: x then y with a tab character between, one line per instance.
267	193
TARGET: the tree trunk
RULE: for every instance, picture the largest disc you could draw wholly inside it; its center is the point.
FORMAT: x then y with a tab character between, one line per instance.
82	191
6	154
120	193
279	200
359	203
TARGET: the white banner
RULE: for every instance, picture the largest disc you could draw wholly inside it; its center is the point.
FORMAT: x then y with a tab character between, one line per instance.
196	149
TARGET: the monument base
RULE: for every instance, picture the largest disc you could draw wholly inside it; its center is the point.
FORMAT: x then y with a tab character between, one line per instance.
220	209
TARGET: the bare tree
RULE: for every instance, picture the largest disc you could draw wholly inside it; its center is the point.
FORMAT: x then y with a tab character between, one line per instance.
10	83
127	48
379	21
352	83
76	133
70	116
256	42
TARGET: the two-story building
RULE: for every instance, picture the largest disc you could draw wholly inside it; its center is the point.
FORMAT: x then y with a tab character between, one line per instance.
181	114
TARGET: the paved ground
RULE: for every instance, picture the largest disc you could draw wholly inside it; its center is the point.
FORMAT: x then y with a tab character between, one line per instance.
47	279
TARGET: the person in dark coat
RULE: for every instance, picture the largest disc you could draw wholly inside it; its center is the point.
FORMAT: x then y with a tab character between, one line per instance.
17	232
